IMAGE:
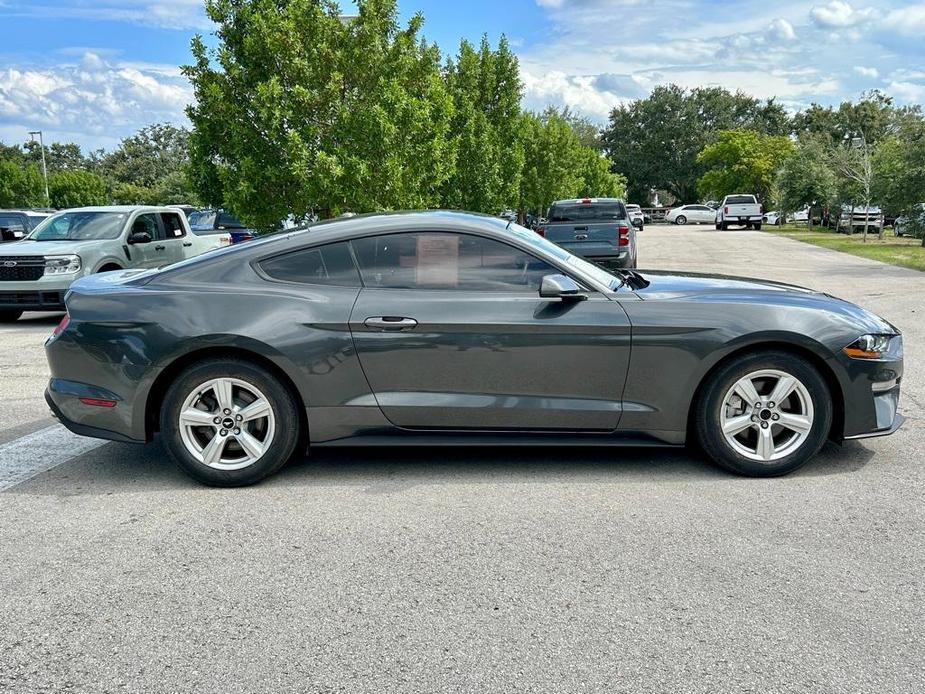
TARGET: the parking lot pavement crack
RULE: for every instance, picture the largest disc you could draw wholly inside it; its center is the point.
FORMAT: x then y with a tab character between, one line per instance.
30	455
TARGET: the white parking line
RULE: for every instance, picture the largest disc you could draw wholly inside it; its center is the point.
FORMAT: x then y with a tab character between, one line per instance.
39	451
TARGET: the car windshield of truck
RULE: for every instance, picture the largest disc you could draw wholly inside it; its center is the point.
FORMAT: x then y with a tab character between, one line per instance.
202	220
80	226
585	211
740	200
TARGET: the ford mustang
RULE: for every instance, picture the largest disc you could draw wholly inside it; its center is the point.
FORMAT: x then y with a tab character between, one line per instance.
435	328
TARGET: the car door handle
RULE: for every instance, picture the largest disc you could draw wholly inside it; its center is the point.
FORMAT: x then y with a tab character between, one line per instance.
396	323
187	244
159	248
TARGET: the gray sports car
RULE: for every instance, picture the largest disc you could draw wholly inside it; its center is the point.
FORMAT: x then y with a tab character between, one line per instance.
430	328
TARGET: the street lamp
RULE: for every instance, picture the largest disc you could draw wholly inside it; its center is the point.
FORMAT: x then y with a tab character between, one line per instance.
33	133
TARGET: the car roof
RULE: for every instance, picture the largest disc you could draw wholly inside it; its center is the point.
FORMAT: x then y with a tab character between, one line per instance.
578	201
121	208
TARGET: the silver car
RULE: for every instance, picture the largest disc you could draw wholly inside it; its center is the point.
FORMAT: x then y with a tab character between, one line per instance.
688	214
36	272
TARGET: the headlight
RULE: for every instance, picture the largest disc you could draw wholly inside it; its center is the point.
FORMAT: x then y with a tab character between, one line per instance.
62	264
869	347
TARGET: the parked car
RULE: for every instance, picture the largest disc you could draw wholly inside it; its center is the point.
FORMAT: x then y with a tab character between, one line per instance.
16	224
636	216
742	210
223	225
854	219
37	271
444	328
903	224
690	214
598	229
773	218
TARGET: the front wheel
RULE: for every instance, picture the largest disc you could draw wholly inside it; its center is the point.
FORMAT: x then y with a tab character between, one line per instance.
758	226
229	423
763	415
9	316
680	219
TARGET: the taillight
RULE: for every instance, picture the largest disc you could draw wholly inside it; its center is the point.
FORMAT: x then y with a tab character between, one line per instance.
61	325
541	231
760	209
624	231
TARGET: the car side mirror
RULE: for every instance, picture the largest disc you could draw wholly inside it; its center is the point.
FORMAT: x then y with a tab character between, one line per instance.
637	222
139	237
561	287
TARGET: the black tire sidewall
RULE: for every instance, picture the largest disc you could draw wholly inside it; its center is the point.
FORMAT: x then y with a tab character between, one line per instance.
284	408
707	415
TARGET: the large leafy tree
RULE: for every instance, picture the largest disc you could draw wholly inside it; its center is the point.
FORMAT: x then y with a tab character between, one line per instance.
656	141
743	161
21	184
489	151
298	110
76	189
873	117
806	177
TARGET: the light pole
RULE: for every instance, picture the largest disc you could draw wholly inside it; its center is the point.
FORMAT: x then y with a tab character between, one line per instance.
33	133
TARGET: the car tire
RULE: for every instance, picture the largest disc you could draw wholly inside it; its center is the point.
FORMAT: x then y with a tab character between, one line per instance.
250	449
9	316
757	227
680	219
757	450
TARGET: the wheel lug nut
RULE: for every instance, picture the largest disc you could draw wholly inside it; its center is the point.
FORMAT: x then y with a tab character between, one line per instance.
757	404
224	432
226	411
237	431
770	404
764	425
238	417
775	417
217	420
754	418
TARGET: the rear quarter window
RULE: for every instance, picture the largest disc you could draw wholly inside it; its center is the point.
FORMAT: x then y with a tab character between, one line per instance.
331	265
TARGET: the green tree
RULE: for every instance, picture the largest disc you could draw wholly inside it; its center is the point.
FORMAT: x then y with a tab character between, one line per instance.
597	180
486	91
655	141
743	161
76	189
21	184
806	178
899	171
302	111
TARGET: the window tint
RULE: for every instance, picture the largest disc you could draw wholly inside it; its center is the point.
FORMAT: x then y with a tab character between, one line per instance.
585	211
325	265
173	227
440	260
229	221
740	200
145	223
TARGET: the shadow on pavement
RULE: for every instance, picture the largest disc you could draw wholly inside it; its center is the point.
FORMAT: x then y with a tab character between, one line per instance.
118	468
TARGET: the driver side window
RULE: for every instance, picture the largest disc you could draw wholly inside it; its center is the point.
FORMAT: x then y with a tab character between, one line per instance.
443	260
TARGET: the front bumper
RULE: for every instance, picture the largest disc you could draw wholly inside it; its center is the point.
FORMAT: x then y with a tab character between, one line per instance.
43	294
871	390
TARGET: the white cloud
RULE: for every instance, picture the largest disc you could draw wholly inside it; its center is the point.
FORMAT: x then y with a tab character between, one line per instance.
839	13
168	14
101	100
781	30
909	21
871	72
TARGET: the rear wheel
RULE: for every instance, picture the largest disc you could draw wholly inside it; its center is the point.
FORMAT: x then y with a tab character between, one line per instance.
229	423
757	226
9	316
764	415
680	219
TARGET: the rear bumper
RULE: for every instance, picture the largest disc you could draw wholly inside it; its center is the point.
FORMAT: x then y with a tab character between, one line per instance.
62	398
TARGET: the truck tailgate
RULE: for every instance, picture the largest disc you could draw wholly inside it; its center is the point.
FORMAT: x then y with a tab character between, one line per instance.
586	239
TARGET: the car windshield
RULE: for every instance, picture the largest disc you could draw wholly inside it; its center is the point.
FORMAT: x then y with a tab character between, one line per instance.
599	274
79	226
585	211
633	208
202	220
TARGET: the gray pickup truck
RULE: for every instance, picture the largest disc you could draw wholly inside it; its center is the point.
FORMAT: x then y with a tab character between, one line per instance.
36	272
597	229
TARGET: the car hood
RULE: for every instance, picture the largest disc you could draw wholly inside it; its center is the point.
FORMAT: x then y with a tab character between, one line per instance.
27	247
678	286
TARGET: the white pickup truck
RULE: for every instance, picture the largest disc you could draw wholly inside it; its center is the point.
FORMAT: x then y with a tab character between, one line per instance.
739	209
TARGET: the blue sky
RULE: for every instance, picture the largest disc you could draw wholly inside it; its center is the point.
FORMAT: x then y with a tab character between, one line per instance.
93	71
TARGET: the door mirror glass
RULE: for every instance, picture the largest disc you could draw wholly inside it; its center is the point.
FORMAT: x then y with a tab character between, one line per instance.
561	287
637	222
140	237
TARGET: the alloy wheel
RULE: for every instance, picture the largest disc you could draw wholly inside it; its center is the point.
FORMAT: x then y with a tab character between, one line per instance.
227	423
766	415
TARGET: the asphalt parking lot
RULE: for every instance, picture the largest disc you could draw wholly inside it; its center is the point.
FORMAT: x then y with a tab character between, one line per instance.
493	571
